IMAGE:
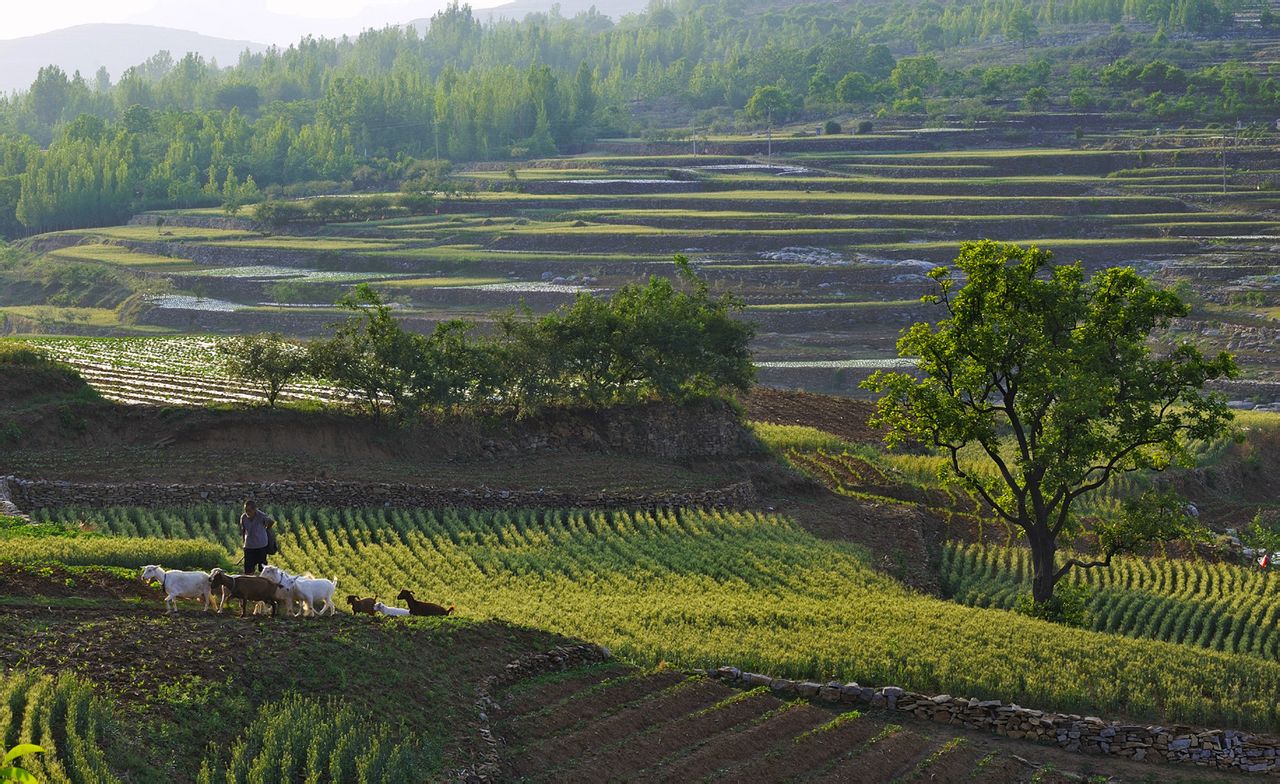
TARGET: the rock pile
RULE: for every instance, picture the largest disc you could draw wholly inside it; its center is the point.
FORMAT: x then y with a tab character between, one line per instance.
46	494
1227	749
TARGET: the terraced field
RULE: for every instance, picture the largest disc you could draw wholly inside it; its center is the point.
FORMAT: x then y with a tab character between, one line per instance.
707	588
165	371
826	241
612	722
1216	606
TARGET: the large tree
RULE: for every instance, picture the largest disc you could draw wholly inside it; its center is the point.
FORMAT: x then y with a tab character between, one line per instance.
1053	377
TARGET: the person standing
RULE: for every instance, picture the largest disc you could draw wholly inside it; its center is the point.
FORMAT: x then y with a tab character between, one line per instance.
253	529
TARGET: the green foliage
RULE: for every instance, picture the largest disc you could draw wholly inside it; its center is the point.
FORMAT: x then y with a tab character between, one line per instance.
265	360
111	551
276	214
646	341
299	739
9	765
1154	516
1219	606
1263	532
78	153
705	587
371	355
59	718
770	103
1052	377
783	438
853	87
1068	605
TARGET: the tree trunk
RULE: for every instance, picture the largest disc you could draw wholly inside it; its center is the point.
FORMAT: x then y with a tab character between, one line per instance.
1044	563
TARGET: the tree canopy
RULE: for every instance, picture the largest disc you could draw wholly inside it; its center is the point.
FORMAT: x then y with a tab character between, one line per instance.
1051	376
663	340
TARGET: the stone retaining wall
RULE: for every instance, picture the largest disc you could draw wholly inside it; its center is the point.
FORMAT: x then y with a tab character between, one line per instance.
32	494
531	665
1232	750
7	507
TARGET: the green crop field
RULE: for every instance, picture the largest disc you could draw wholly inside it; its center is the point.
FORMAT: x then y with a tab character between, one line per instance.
63	717
702	588
1221	607
116	254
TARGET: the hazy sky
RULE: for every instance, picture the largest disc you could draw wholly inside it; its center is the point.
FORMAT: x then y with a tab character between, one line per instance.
263	21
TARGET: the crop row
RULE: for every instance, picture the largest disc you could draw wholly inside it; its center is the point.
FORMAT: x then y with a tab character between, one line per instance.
1208	605
64	718
177	370
130	553
310	741
705	588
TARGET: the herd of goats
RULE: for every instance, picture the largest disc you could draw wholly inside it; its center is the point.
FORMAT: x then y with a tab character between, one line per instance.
301	594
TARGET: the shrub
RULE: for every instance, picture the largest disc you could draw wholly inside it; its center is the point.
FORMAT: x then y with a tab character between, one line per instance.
266	360
864	126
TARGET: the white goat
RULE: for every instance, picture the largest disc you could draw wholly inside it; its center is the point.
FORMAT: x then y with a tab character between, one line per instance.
314	593
392	611
178	584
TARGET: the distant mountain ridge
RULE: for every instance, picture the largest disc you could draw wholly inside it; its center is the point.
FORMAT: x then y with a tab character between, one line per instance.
518	9
86	48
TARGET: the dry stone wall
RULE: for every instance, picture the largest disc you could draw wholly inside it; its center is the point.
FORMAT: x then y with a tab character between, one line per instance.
32	494
531	665
1225	749
7	507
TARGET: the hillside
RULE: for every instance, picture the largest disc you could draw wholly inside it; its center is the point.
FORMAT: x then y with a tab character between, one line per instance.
539	550
826	242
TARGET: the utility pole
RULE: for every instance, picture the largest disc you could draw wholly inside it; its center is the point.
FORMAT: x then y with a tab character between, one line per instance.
769	135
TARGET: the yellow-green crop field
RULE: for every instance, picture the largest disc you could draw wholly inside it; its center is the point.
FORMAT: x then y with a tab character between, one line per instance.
706	588
116	254
1218	606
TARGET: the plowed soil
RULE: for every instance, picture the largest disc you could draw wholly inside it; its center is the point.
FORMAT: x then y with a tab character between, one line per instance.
839	416
670	739
56	581
666	727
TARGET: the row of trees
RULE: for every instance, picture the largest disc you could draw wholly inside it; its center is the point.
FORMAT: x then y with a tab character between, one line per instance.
659	340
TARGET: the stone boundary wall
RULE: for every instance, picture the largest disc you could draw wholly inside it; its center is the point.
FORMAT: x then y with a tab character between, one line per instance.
1231	750
32	494
7	506
488	766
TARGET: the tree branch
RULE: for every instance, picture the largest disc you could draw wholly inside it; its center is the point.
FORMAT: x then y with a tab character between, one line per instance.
1074	562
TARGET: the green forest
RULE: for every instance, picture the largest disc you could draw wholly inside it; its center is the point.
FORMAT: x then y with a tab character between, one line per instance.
357	113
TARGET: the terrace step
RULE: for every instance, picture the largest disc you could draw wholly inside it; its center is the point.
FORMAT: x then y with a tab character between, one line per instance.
610	722
894	754
674	738
589	704
808	752
631	719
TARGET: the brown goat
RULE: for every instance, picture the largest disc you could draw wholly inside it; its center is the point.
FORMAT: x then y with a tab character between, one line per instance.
246	588
362	606
423	608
